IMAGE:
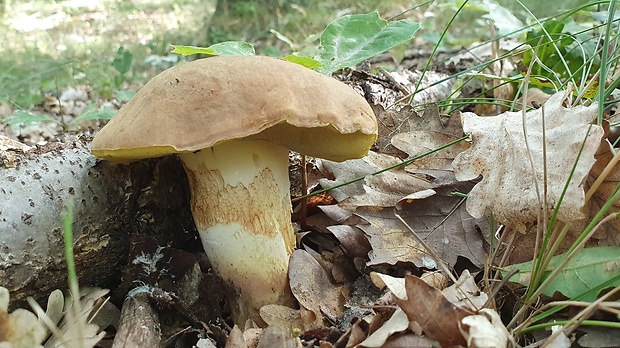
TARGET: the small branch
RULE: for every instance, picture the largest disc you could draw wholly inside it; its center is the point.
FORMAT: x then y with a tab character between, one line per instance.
139	325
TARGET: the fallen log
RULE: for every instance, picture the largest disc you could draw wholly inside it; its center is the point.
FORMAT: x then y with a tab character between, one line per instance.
111	202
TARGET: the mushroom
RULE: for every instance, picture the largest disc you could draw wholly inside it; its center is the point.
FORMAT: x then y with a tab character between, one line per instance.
232	120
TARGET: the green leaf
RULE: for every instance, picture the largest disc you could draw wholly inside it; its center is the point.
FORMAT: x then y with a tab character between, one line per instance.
227	48
122	61
26	118
308	62
91	113
588	268
352	39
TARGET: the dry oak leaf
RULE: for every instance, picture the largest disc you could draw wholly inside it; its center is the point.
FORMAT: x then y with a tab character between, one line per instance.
437	217
607	234
312	286
429	132
442	221
500	154
432	131
383	190
438	317
391	242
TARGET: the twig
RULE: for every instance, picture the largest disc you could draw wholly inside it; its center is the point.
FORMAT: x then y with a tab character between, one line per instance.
139	325
304	191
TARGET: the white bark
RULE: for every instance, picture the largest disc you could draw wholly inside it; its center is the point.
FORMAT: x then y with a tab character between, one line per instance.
111	202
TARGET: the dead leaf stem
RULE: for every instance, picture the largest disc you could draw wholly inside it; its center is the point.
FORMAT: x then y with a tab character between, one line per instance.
589	310
433	254
304	191
601	178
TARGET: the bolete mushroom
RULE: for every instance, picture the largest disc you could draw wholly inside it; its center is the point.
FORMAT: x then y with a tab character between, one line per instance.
232	121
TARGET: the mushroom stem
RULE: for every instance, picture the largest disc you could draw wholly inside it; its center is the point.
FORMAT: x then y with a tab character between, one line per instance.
240	201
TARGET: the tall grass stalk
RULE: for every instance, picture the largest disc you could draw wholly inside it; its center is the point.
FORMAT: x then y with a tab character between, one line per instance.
74	287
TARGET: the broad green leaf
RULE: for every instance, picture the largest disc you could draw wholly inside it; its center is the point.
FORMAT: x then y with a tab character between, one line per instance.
307	62
589	268
352	39
122	61
227	48
27	118
92	113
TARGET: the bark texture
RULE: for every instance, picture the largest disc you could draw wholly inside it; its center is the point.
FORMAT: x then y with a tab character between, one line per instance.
111	203
139	326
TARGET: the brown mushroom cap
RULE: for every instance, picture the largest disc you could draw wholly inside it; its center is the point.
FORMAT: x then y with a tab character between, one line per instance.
209	101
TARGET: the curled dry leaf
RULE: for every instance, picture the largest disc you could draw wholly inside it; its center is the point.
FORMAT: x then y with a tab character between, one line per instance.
607	234
485	330
435	279
20	328
77	329
336	213
398	322
349	170
431	132
535	96
395	285
381	190
351	239
293	322
558	338
439	313
235	338
356	334
312	286
272	337
465	293
499	153
438	317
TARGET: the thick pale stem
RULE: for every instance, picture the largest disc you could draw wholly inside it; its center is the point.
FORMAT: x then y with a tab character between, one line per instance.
241	206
